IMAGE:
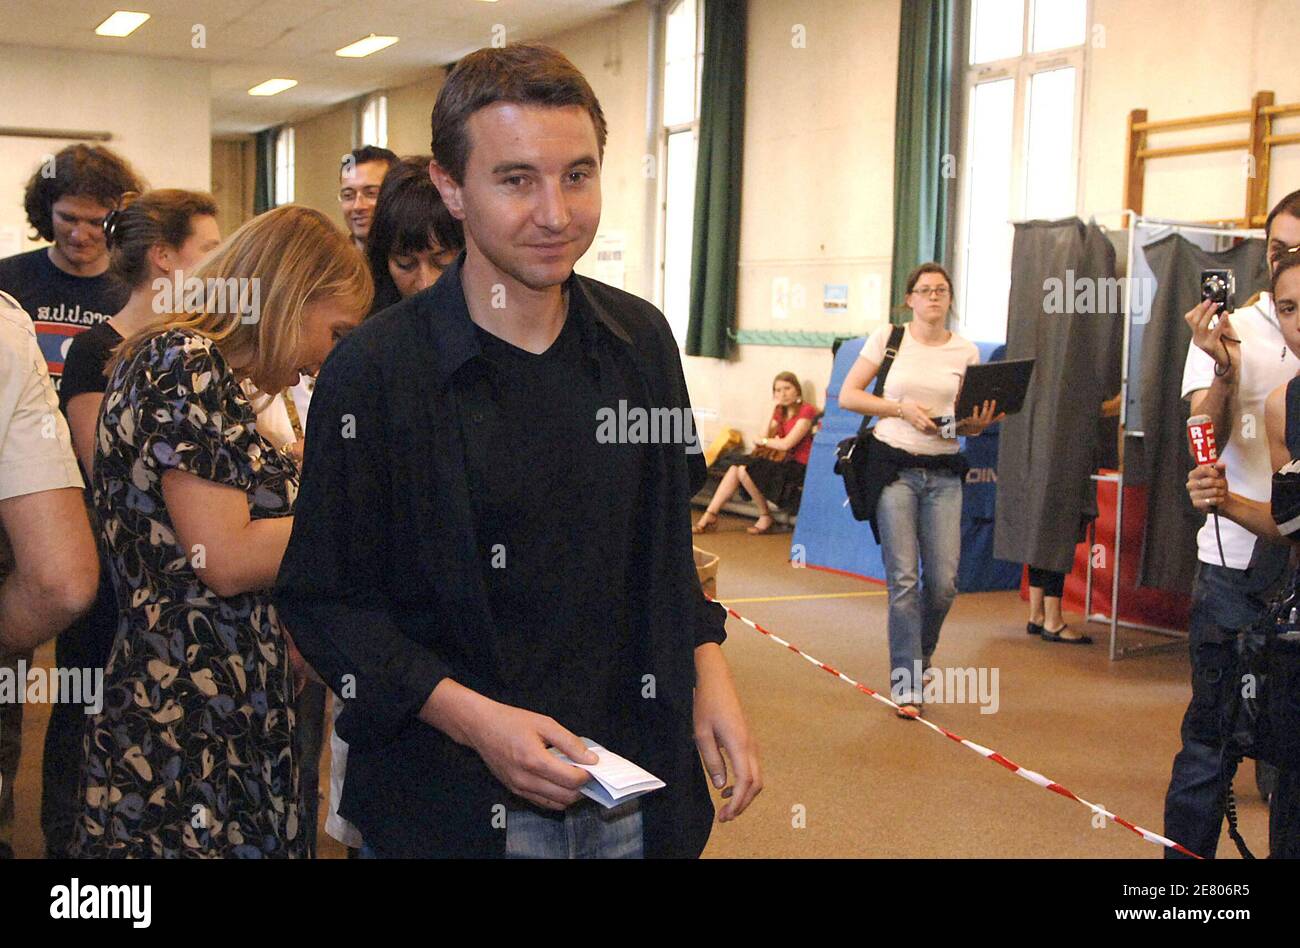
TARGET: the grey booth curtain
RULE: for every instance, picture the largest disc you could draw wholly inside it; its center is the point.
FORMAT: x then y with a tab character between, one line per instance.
715	253
929	53
1048	451
1169	540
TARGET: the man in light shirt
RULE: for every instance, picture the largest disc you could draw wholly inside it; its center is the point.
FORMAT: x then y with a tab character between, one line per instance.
1230	371
49	571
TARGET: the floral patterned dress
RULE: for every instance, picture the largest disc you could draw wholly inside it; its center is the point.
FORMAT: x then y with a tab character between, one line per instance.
192	754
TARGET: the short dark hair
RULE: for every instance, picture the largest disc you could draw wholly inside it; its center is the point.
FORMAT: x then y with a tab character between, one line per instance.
521	73
409	218
1288	205
165	216
925	268
1286	261
366	154
89	171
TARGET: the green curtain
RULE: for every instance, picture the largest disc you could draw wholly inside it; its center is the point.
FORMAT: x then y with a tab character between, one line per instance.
925	139
715	253
264	174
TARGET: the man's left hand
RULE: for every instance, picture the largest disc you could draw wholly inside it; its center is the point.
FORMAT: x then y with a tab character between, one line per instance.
720	726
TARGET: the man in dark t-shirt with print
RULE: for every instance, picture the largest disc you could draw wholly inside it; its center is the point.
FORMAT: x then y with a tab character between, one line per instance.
66	288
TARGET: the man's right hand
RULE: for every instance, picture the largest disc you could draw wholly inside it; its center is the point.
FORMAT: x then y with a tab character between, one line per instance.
1220	343
513	743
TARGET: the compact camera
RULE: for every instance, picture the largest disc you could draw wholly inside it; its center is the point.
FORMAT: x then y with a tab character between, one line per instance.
1220	286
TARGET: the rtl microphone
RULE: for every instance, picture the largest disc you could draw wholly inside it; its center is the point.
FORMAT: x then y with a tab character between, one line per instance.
1200	435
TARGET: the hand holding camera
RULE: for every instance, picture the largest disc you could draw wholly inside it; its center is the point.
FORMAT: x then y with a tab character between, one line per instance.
1211	327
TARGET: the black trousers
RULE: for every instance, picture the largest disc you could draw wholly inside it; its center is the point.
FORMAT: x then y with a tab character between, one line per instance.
1052	584
309	739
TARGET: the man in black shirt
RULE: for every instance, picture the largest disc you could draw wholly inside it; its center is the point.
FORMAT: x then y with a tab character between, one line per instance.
66	287
514	579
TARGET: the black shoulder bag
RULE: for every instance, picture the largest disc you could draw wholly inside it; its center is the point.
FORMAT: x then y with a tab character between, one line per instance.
1261	717
853	456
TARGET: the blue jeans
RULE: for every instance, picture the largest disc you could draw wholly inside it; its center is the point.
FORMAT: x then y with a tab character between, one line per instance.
586	831
919	518
1224	602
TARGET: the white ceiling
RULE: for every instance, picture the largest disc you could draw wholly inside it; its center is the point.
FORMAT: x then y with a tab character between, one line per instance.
248	41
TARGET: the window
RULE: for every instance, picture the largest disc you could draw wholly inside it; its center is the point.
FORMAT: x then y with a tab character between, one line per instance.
374	121
683	64
1023	105
284	162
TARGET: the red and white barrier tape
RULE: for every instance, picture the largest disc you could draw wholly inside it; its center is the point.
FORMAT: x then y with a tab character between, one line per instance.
1032	776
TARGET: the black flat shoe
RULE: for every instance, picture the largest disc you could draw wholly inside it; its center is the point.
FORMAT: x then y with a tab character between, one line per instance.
1049	636
1034	628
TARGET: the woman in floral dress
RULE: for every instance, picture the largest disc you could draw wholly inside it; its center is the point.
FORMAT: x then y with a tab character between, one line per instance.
192	754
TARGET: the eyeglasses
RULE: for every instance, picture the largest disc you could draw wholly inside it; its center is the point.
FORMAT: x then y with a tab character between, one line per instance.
348	195
938	292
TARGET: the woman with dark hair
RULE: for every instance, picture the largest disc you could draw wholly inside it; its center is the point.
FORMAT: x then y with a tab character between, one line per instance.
919	512
413	236
775	470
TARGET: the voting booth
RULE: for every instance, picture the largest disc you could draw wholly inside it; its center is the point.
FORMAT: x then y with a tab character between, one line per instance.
827	537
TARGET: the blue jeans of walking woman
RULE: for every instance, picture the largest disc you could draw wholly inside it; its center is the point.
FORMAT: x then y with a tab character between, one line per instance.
919	518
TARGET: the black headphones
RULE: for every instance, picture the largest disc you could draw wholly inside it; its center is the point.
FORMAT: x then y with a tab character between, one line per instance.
113	219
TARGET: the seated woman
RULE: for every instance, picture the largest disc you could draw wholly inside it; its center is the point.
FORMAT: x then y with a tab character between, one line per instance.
413	236
764	478
192	753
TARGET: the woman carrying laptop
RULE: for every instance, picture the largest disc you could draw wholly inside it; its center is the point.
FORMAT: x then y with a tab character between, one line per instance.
919	513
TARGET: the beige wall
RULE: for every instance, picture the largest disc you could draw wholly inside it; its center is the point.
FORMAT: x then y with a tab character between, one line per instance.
321	141
1177	58
234	169
319	145
612	55
818	194
819	141
157	111
409	108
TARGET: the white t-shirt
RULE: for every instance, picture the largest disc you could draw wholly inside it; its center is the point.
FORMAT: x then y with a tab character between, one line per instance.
1266	363
273	421
35	446
927	375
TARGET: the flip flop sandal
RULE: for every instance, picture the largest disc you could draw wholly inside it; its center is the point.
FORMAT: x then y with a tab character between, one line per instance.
1056	636
1033	628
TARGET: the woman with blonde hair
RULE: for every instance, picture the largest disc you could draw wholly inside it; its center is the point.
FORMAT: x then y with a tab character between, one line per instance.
192	753
160	235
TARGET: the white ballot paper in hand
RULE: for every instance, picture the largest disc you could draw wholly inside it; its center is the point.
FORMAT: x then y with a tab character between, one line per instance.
615	779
